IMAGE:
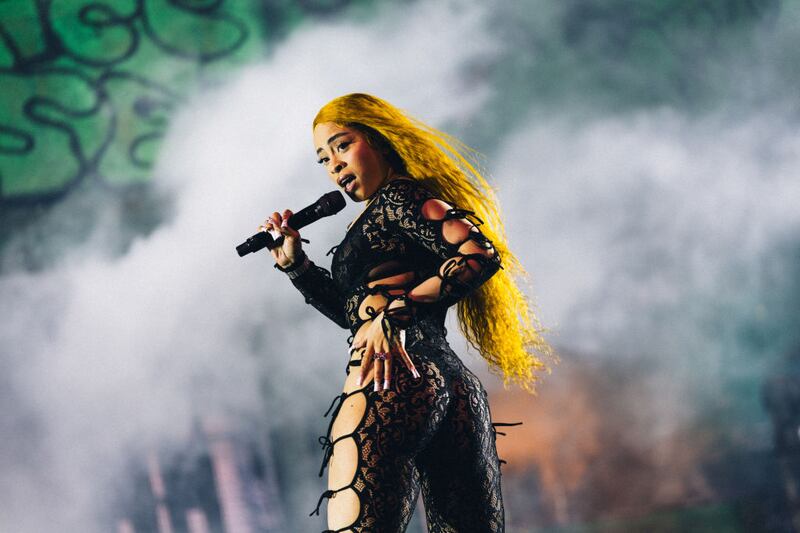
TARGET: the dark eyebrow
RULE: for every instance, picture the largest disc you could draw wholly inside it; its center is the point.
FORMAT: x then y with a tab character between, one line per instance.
333	138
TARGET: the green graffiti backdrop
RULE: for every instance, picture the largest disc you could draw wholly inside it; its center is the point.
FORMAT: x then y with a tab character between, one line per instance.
79	96
87	86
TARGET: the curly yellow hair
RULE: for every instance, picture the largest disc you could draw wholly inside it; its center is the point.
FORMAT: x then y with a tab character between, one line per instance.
496	319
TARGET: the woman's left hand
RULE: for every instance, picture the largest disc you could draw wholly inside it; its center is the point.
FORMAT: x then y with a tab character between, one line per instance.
375	342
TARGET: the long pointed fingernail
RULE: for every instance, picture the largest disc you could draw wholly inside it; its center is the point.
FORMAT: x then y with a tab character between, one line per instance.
415	373
386	384
375	388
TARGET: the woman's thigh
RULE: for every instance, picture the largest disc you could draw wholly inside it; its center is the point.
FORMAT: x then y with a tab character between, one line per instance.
459	469
375	437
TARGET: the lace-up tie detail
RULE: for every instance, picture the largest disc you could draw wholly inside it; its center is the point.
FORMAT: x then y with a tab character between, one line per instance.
456	212
328	445
325	440
495	425
503	424
330	494
326	494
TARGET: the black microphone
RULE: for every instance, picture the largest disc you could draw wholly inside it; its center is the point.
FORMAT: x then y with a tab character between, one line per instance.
329	204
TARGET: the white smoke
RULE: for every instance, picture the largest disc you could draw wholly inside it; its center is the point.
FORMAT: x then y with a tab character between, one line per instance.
114	355
645	232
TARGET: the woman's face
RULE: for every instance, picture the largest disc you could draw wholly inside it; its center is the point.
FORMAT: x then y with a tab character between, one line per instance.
352	164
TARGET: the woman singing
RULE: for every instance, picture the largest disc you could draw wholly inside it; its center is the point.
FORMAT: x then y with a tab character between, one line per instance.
411	415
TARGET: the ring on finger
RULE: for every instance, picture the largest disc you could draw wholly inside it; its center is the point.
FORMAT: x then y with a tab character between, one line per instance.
382	356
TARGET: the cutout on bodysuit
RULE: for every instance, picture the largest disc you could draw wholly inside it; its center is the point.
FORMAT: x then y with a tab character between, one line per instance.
452	230
394	284
349	499
386	270
341	473
342	476
355	402
386	282
371	306
341	443
464	270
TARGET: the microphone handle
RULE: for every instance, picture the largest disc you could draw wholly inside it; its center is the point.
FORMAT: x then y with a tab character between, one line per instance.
263	239
298	220
305	216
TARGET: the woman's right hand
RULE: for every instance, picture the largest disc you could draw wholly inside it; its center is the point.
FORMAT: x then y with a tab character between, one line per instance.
287	253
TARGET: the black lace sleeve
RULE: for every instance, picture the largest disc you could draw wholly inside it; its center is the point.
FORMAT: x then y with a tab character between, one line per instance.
469	258
317	285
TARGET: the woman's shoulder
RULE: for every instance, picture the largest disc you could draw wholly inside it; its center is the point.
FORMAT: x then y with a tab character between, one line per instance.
405	189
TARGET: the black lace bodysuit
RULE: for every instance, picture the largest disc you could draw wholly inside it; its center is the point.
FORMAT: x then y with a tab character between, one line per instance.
433	433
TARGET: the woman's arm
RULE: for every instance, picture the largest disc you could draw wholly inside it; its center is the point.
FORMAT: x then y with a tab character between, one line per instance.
316	284
469	258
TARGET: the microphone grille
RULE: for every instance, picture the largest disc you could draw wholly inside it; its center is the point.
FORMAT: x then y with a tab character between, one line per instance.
331	203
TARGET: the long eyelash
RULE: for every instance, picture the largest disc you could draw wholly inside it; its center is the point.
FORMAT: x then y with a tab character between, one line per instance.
338	146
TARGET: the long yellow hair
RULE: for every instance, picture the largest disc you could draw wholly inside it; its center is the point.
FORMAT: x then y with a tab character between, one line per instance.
496	319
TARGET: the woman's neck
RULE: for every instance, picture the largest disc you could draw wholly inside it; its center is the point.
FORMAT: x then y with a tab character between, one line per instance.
390	176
